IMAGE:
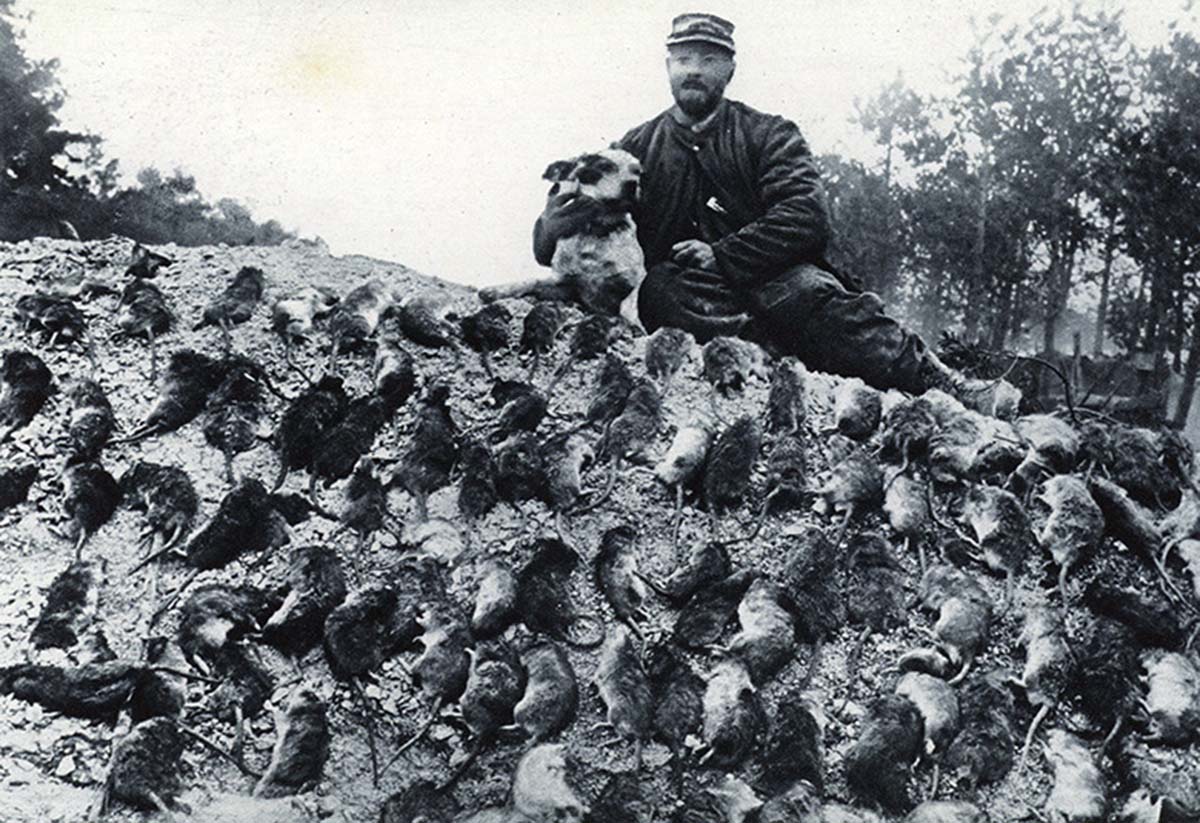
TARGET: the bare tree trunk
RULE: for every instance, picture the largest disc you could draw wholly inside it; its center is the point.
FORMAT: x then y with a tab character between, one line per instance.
1184	407
1105	284
1177	337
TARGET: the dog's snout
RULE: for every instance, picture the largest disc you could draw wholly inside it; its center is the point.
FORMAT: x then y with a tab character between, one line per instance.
629	190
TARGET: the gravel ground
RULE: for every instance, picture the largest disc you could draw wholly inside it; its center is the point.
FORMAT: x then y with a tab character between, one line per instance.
51	767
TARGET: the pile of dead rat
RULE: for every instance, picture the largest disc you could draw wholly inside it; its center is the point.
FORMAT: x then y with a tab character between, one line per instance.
516	563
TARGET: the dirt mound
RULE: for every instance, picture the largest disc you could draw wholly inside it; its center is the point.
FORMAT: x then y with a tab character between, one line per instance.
53	765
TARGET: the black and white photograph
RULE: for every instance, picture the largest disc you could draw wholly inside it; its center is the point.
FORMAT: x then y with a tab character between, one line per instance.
465	411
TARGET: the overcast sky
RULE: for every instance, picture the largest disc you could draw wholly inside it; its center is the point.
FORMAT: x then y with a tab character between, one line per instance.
418	131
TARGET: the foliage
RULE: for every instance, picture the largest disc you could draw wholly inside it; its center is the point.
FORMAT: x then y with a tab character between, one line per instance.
55	181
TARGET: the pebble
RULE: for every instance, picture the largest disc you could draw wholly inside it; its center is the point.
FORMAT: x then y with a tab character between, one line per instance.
65	766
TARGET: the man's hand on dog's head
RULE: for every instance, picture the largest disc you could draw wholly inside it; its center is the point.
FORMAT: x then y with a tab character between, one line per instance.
568	212
694	253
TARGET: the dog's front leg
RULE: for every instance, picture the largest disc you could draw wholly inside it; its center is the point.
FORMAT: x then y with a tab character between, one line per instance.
629	309
541	288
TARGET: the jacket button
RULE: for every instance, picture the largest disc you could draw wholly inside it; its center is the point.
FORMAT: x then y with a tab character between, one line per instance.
695	148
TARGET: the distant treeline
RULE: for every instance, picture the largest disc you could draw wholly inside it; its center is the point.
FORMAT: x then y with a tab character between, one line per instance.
57	182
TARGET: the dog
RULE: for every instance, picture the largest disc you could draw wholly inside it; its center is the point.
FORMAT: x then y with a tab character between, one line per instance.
600	267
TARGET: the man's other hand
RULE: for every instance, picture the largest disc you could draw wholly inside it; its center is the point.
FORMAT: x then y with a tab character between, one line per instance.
568	213
694	253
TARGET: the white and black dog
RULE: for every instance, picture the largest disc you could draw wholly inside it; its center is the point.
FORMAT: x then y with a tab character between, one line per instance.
601	266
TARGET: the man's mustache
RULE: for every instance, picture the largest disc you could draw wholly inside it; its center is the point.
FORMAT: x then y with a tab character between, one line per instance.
694	84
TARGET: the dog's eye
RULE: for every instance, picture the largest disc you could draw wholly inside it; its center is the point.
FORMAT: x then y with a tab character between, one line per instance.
588	176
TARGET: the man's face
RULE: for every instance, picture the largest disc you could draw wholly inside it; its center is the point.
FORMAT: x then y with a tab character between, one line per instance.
698	73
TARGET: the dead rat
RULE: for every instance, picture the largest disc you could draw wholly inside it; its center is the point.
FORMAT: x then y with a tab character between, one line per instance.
356	317
365	511
522	409
235	304
1172	701
432	453
873	590
143	312
551	693
1047	671
729	362
787	475
539	330
394	375
190	379
423	319
813	581
170	503
855	484
1074	527
730	462
520	470
496	599
486	331
362	631
565	457
302	737
1053	445
857	409
631	433
304	423
613	383
544	593
144	770
234	410
25	385
733	716
616	574
937	702
1154	621
681	464
787	404
292	318
1105	674
442	669
665	352
906	504
795	747
91	690
625	690
495	683
590	339
622	799
708	563
540	791
477	486
766	641
982	751
58	318
15	483
678	696
92	420
907	428
90	496
1003	531
703	618
217	616
145	264
961	631
878	764
1078	793
316	586
160	693
70	605
343	443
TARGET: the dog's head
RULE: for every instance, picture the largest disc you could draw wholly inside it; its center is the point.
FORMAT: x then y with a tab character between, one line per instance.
611	175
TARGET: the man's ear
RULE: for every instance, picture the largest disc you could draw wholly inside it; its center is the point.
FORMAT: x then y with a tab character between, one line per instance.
558	170
732	69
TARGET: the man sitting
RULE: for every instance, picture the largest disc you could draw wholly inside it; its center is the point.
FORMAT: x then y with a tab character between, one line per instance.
734	227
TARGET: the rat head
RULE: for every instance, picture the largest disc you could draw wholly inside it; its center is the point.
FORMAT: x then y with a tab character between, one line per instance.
611	175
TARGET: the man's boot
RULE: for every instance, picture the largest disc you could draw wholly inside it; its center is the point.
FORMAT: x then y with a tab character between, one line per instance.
996	397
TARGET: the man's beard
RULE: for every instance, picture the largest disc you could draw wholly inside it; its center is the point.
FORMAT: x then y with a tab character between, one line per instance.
696	101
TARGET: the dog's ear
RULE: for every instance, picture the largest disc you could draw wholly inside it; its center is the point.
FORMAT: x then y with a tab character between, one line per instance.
558	170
